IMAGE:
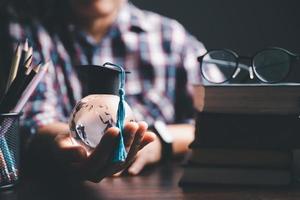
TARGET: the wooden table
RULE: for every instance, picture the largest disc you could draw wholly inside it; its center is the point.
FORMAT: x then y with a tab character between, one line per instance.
160	182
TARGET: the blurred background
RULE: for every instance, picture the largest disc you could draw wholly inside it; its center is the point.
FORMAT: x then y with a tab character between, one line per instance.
245	26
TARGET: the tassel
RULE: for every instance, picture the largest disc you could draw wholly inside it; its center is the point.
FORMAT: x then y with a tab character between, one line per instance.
120	153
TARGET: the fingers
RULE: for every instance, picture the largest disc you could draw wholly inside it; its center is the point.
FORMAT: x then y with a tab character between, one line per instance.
112	169
104	149
137	166
148	138
133	134
99	165
130	130
137	140
92	168
118	173
145	156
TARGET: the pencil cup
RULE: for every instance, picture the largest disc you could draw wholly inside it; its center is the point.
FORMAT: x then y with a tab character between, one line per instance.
9	149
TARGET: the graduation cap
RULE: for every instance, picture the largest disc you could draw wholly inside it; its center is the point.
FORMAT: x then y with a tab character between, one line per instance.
99	79
107	79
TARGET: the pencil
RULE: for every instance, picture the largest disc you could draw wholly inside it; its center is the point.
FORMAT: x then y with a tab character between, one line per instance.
30	73
28	53
21	69
14	67
28	63
26	46
14	92
41	71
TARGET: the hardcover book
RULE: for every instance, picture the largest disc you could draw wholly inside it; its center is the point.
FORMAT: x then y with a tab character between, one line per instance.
283	99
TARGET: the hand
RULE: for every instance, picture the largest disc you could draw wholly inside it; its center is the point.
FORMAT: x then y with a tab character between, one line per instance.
150	154
96	165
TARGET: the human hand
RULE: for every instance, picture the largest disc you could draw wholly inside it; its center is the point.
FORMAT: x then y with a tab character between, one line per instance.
96	165
150	154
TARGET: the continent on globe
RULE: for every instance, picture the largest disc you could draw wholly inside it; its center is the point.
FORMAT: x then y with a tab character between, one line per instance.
93	115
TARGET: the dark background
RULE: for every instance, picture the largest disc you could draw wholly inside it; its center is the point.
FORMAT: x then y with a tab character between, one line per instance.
245	26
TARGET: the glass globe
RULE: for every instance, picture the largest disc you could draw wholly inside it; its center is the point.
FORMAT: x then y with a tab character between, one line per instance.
93	115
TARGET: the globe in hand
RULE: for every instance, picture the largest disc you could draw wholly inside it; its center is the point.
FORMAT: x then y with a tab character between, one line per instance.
93	115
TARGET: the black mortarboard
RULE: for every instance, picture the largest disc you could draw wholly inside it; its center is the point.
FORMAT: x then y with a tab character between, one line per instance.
98	79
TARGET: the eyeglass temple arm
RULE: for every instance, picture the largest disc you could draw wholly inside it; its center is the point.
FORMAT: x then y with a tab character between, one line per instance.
232	64
228	63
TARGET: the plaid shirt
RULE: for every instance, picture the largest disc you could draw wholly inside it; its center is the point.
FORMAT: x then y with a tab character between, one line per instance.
156	50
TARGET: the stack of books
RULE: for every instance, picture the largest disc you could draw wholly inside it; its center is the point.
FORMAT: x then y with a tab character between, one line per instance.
245	135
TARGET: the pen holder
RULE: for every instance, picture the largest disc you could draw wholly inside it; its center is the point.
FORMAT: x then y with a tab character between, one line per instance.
9	149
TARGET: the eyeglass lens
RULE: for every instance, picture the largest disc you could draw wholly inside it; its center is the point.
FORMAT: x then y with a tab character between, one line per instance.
271	65
218	66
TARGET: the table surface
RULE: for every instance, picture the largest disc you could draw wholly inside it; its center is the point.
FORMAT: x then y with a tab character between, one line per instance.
160	182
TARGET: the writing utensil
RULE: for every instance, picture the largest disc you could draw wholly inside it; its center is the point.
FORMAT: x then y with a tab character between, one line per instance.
28	63
10	98
21	69
21	54
41	71
31	87
18	60
4	173
26	46
14	67
28	53
30	73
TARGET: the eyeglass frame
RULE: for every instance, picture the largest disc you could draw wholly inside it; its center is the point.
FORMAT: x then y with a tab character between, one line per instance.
238	58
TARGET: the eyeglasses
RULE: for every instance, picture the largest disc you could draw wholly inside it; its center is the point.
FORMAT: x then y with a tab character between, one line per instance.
270	65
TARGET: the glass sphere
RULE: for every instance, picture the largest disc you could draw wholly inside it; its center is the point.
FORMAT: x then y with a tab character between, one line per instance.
93	115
